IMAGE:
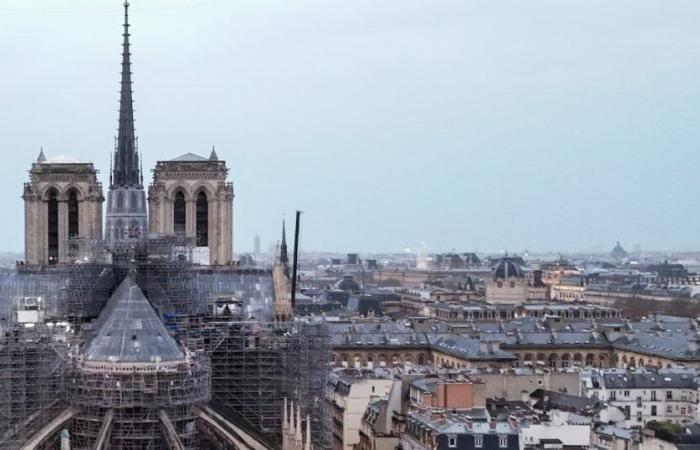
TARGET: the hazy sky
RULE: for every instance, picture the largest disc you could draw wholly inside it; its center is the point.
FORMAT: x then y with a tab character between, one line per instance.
538	124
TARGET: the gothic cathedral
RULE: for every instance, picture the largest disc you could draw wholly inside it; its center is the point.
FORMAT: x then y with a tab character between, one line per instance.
189	196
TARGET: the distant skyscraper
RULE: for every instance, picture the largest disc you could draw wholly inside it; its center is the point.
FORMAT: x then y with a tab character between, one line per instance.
256	245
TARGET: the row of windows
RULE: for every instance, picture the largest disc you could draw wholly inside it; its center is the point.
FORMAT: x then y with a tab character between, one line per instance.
478	441
652	395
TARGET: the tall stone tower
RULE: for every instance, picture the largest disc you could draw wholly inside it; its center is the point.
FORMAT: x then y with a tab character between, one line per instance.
62	200
127	217
190	196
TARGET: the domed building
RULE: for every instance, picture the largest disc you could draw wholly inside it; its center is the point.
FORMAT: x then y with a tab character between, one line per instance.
618	253
508	283
349	285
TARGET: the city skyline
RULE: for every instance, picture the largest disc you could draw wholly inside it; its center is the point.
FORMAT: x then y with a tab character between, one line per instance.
565	131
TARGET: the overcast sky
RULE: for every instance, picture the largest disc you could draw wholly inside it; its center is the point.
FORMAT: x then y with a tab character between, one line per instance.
539	124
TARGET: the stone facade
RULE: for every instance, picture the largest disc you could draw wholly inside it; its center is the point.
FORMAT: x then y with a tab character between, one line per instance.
190	195
62	200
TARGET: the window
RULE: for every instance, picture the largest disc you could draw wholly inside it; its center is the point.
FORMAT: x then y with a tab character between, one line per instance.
452	441
478	441
626	393
179	213
653	396
627	412
52	206
639	416
73	218
612	395
503	441
669	395
653	410
682	411
202	220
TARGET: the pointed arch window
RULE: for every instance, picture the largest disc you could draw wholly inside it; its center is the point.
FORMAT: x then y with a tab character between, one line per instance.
179	213
52	206
202	220
73	214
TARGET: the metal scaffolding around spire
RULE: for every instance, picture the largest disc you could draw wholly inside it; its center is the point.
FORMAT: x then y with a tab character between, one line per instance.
126	171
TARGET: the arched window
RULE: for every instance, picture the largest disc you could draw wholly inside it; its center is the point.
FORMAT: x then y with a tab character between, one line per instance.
73	216
52	206
179	213
202	220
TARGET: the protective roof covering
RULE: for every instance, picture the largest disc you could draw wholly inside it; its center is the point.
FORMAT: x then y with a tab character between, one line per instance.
129	330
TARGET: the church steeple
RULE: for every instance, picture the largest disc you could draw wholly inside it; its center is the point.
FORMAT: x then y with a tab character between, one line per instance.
127	216
284	258
126	170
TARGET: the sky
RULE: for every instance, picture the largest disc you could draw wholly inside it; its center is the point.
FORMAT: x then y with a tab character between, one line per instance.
546	125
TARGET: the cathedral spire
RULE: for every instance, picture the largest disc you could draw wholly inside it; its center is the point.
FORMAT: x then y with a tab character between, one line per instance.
126	171
284	258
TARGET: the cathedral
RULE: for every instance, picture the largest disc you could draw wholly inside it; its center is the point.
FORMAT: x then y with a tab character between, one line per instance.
188	196
140	331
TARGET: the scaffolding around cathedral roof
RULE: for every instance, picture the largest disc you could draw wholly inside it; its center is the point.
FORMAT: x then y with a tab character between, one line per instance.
238	355
33	360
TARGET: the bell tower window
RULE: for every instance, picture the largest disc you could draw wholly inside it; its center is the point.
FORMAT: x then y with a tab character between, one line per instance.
179	214
73	215
202	220
52	206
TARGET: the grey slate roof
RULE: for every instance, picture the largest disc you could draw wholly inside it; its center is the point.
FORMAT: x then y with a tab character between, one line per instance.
129	330
190	157
662	380
546	400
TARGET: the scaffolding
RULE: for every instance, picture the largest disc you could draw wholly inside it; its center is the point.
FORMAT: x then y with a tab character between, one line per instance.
32	364
238	356
130	405
256	365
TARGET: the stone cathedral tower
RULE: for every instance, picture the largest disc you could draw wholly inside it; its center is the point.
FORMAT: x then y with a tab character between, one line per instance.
190	196
62	200
127	217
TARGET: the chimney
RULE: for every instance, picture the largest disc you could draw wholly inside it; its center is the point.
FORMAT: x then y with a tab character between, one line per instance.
495	347
483	347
